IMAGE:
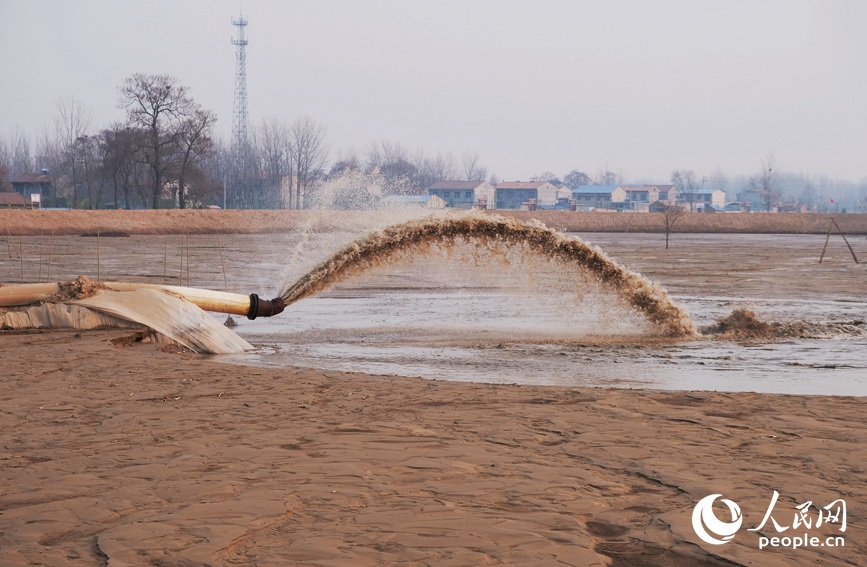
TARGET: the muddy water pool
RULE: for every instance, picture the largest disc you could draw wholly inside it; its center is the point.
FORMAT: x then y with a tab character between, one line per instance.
447	317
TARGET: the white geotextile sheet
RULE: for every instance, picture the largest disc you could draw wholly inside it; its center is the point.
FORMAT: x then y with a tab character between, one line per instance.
60	316
169	315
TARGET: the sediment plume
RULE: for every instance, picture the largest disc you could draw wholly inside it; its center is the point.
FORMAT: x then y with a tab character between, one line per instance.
745	326
418	237
79	288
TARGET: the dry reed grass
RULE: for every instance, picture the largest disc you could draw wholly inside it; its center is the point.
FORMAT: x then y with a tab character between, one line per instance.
32	223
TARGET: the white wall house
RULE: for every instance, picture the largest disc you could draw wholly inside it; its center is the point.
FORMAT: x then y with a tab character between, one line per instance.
515	194
464	194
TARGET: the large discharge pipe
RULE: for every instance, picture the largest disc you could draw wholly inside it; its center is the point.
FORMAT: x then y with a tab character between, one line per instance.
252	306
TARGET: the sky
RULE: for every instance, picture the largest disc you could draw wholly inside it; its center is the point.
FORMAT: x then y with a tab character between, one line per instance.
637	87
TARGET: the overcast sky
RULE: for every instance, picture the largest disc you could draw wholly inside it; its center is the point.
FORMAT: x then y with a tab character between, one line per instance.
639	87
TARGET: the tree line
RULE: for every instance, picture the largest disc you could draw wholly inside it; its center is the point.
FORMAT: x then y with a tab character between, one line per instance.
165	154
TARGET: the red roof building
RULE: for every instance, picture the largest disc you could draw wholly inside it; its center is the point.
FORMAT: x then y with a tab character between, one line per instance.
13	200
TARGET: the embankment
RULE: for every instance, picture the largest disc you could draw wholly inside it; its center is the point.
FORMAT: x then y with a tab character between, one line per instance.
77	222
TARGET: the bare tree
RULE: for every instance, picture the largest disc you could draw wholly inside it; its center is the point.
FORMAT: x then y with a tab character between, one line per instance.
393	162
72	121
121	166
719	179
308	155
430	170
687	186
549	177
21	158
384	154
765	182
347	160
219	168
575	179
273	142
608	178
5	180
84	156
672	214
472	169
160	106
193	145
49	153
808	196
201	188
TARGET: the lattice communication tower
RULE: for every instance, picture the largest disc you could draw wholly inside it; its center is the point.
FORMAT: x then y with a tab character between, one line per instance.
239	115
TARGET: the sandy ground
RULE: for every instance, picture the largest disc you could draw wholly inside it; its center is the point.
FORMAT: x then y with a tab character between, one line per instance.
132	455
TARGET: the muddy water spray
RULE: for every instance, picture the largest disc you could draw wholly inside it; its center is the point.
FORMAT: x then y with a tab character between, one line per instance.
419	236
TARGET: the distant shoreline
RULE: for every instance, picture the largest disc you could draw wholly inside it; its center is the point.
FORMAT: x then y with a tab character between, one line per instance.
15	222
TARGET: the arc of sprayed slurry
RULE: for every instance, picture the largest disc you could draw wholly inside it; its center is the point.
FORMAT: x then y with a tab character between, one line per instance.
382	246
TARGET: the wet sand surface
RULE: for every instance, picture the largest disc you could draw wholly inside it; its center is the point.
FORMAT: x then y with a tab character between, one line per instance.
133	454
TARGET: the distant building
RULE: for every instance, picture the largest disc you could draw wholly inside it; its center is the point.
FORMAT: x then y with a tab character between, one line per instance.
29	184
626	197
464	194
13	201
528	194
715	199
411	201
658	207
664	193
598	196
754	200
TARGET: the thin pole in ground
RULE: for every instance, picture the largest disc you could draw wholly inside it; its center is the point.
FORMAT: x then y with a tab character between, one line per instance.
8	240
831	226
50	254
188	260
181	269
845	240
41	245
223	262
165	257
827	238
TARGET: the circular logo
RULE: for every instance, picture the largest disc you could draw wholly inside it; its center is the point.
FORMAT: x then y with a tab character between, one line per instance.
708	527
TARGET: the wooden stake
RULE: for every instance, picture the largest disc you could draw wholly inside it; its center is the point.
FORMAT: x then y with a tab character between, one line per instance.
97	257
223	262
827	238
184	251
50	253
181	270
165	257
41	243
8	241
188	260
21	256
845	240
